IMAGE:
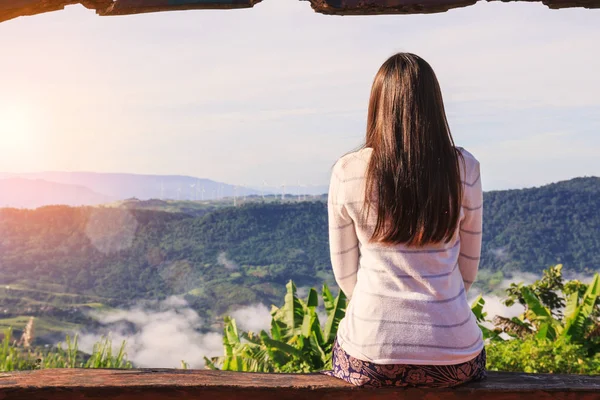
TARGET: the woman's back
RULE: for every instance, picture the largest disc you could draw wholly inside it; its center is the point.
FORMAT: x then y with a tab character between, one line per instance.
408	304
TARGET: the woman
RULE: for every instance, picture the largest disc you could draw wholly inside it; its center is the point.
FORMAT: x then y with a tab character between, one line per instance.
405	236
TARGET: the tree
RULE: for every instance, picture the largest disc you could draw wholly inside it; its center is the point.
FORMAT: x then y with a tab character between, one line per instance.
559	331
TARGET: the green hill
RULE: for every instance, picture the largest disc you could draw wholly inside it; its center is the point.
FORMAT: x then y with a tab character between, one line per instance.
232	256
530	229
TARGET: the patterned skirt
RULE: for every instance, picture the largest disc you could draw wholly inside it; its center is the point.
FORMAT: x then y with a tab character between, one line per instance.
367	374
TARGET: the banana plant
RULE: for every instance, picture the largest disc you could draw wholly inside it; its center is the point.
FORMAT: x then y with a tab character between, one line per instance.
296	342
481	317
578	312
543	308
547	326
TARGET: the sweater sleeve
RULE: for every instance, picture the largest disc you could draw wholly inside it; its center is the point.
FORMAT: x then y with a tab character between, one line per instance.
471	227
343	242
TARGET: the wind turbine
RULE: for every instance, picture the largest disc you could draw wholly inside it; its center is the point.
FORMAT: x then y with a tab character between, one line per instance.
283	191
192	186
162	190
264	189
203	191
313	195
235	196
179	192
197	189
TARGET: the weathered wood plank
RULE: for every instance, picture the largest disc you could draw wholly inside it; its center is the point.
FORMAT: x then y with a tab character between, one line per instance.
374	7
158	384
10	9
14	8
123	7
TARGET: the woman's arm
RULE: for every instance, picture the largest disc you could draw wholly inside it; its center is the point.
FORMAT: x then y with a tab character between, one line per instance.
471	227
343	242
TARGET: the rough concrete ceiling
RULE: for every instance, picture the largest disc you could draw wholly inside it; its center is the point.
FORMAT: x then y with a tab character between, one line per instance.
10	9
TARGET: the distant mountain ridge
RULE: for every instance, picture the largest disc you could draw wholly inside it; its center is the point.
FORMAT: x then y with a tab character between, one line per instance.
33	193
121	186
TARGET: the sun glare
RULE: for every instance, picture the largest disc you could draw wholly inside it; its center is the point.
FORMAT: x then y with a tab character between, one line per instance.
17	130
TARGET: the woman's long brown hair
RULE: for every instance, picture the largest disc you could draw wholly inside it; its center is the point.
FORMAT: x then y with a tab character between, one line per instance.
413	180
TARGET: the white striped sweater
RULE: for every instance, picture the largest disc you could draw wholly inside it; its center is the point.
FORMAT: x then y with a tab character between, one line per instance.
408	305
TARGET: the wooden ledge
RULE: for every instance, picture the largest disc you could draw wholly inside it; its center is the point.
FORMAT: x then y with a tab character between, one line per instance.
163	384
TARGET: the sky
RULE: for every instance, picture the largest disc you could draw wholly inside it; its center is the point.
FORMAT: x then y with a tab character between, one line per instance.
278	92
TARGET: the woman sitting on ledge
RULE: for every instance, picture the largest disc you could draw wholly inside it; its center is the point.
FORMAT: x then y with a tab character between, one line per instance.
405	219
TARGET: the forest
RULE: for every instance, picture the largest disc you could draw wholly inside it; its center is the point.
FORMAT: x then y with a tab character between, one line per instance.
59	261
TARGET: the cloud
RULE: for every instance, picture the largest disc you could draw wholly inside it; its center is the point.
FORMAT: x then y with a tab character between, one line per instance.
526	278
253	318
158	334
226	262
162	334
500	253
587	279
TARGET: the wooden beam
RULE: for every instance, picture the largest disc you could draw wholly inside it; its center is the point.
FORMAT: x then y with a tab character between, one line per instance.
160	384
124	7
374	7
10	9
14	8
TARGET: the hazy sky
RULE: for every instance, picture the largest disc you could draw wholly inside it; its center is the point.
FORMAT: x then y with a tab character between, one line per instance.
278	92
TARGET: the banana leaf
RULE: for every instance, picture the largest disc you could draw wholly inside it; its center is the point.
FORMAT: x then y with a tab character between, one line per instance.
336	310
546	324
577	320
292	312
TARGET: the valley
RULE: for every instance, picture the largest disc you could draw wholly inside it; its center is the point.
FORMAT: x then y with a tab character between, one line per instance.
62	264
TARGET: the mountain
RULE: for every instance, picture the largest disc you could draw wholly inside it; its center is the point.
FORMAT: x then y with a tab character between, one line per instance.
242	255
118	186
124	186
33	193
528	229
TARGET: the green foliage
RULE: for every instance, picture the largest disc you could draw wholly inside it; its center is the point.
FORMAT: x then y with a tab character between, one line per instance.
547	289
480	315
11	358
579	314
540	340
544	301
16	358
102	356
546	338
227	258
296	343
533	355
530	229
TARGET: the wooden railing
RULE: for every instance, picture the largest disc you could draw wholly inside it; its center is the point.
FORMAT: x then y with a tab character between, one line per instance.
160	384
